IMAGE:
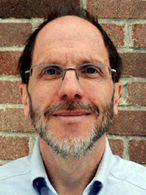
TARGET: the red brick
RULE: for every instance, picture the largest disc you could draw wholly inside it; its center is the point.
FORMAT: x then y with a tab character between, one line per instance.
14	120
8	62
14	33
117	146
9	91
13	147
117	9
137	151
139	35
28	8
134	64
136	94
116	33
129	123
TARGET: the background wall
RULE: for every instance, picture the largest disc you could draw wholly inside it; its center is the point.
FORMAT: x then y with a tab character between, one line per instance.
125	22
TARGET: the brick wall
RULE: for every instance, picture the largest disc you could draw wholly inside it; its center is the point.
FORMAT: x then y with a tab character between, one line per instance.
125	22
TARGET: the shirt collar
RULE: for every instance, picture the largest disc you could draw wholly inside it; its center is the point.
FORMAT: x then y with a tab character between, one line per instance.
102	171
37	165
104	167
38	169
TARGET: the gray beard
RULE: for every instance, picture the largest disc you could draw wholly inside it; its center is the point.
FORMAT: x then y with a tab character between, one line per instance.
72	147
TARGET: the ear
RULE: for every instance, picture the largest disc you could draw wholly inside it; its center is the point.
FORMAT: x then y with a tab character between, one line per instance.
24	98
117	95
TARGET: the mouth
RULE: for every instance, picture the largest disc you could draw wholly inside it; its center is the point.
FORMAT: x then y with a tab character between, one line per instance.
71	113
71	116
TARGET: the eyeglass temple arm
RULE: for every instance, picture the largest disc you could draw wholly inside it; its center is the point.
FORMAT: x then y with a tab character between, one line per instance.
113	70
27	71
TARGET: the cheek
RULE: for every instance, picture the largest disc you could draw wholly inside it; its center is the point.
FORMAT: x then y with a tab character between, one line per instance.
99	94
42	96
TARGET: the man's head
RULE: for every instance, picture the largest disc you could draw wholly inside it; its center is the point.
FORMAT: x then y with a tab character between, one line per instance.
72	113
69	10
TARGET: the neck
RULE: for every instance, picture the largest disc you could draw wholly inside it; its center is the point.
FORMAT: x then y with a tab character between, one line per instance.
71	176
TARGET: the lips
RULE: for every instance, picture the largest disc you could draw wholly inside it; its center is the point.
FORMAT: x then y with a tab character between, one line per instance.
71	113
70	117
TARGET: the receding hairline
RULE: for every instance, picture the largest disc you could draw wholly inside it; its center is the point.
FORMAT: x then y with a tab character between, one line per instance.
68	19
64	29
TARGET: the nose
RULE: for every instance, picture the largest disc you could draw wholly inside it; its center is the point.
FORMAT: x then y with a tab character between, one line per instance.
70	87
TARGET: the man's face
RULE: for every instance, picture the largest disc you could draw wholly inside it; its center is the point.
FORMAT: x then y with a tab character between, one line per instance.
70	114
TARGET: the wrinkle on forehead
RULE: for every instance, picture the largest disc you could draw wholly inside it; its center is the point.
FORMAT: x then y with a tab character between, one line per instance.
62	57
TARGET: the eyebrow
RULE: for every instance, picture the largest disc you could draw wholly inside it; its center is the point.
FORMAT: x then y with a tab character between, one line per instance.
89	61
82	61
50	62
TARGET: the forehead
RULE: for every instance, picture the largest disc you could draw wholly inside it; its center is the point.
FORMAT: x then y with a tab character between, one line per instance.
65	24
70	32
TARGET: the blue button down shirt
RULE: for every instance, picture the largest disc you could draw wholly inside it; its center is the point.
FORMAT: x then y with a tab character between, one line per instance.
27	176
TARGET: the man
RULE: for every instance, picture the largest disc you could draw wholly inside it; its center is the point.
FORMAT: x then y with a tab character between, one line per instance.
70	88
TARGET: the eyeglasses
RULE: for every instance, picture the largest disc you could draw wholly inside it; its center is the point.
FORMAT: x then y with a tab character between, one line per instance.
87	71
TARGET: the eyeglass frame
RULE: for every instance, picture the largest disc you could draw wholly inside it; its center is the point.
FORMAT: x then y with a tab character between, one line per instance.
111	71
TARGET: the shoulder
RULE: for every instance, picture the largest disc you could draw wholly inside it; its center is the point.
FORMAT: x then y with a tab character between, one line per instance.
15	177
15	168
129	173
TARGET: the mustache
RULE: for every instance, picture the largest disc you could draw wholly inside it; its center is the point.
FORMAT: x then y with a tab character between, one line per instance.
71	106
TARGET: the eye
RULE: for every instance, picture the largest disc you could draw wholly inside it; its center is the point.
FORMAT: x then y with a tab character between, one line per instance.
51	72
89	69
